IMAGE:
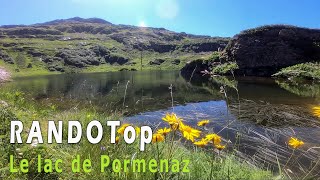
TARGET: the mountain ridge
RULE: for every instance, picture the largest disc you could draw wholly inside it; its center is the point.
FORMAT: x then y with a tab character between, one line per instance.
79	43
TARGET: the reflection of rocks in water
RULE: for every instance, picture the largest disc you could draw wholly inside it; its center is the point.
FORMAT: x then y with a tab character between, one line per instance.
305	88
274	115
225	81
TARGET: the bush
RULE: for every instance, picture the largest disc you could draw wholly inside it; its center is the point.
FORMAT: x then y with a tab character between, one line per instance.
304	70
225	68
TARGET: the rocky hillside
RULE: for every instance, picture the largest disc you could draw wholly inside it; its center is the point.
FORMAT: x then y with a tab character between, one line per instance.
77	43
263	51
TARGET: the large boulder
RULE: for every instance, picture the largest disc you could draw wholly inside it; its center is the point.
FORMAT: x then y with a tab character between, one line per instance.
116	59
157	62
265	50
196	69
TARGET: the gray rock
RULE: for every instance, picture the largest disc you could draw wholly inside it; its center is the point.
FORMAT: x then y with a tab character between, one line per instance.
265	50
157	62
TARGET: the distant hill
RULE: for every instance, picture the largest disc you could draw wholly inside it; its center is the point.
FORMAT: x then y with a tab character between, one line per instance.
78	43
74	21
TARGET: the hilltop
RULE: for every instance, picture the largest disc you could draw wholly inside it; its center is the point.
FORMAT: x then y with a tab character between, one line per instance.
94	44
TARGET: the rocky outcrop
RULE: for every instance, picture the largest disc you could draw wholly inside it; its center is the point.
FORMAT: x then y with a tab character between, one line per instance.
157	62
265	50
176	62
6	58
83	57
116	59
196	69
78	57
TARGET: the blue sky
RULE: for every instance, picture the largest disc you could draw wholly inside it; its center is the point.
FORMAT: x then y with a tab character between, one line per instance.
206	17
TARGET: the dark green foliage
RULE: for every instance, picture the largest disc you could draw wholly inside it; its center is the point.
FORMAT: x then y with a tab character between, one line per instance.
225	68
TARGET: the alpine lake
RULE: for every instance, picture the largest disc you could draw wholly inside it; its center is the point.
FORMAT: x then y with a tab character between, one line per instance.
255	116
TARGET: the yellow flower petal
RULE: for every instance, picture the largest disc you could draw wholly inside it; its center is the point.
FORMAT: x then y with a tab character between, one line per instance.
202	143
188	132
220	147
316	111
163	131
138	130
173	120
157	138
295	143
122	128
215	138
203	122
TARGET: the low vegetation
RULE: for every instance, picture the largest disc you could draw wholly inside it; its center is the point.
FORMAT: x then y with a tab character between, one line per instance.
225	68
309	71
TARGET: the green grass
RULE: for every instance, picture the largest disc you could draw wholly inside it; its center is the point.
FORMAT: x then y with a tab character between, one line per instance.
224	166
304	71
225	68
34	71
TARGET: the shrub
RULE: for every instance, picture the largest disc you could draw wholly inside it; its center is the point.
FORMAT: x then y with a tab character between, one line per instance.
225	68
304	70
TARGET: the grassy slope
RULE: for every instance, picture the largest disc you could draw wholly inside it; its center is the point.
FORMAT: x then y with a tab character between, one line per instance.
48	47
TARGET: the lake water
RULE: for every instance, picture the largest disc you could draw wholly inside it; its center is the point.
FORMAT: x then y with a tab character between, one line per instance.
255	115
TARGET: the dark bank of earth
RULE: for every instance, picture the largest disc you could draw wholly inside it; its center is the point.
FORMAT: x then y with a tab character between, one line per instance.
265	50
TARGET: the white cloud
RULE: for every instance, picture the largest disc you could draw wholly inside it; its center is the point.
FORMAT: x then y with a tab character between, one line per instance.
167	9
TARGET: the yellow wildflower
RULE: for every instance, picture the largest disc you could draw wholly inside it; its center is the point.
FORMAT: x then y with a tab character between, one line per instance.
202	143
163	131
173	120
295	143
122	128
157	138
137	130
316	111
215	138
203	122
188	132
117	139
220	147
